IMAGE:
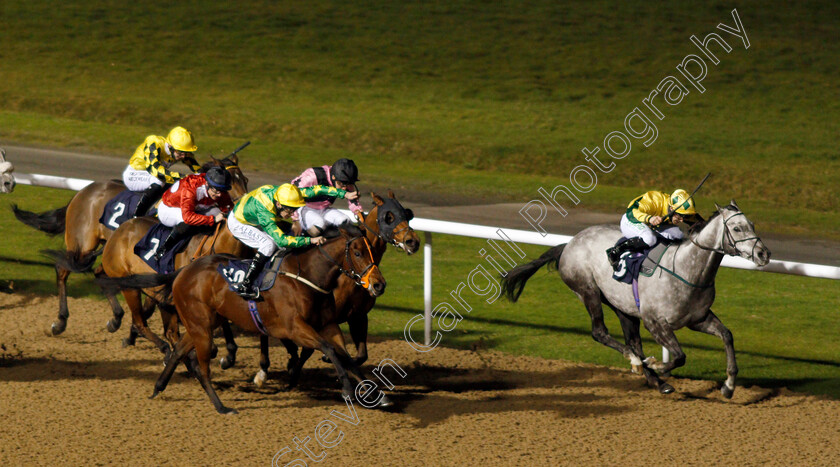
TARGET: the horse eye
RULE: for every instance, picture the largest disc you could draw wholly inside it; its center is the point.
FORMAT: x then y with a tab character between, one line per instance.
737	229
358	254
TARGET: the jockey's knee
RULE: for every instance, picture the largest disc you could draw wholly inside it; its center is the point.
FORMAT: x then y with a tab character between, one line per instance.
267	249
649	238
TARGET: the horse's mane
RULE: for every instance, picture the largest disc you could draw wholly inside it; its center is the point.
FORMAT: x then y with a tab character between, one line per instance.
698	226
334	231
213	162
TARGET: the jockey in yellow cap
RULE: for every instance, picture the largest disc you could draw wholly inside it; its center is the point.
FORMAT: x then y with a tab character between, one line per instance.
262	220
148	169
653	210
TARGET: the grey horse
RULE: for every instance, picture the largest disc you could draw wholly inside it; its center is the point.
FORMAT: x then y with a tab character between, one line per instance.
7	180
680	293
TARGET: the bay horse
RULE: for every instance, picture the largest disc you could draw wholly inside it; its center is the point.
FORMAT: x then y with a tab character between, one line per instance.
679	294
387	223
119	260
84	234
290	310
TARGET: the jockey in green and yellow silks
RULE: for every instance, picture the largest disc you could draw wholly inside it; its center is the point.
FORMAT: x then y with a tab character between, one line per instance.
262	219
653	210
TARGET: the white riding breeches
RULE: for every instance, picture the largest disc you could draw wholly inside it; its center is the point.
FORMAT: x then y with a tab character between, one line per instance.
321	218
251	236
171	217
139	180
631	229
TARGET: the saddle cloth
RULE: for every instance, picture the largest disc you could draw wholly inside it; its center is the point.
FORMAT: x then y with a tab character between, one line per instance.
149	244
120	208
631	265
233	271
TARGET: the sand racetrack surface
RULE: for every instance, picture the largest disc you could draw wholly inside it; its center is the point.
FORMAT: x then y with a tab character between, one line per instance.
82	399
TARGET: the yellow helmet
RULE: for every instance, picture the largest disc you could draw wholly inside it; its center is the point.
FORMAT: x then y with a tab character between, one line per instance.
681	204
289	195
181	139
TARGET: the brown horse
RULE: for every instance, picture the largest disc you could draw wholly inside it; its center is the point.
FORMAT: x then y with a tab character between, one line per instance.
84	234
289	310
386	223
119	260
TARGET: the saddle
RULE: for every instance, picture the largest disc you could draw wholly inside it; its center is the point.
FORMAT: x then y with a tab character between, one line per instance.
233	270
149	244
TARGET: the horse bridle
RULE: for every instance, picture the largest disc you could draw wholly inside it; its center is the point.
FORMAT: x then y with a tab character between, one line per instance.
728	240
361	279
390	205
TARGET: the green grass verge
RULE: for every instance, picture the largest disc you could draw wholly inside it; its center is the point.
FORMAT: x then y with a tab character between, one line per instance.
784	326
486	99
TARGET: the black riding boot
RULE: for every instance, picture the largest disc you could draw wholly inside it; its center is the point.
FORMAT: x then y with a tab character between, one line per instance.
148	198
246	289
635	244
179	232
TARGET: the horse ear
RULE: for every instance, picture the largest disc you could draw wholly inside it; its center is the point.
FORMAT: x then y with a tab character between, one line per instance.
376	199
734	205
391	194
2	155
234	158
717	206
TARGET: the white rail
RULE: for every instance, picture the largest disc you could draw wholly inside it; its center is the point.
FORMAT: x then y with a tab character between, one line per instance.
430	226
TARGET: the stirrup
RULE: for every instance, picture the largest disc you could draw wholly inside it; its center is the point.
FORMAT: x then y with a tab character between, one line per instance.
159	255
613	263
248	293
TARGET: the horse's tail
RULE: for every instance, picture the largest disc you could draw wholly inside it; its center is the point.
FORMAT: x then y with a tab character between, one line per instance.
73	261
111	285
50	222
514	281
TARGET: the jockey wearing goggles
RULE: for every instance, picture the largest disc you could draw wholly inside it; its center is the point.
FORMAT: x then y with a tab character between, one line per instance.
192	202
262	219
148	169
318	212
653	210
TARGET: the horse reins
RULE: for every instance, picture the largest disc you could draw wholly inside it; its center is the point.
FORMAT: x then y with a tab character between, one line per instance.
197	253
362	279
728	240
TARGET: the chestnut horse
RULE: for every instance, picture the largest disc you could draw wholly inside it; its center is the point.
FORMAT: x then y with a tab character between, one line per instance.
119	260
83	234
386	223
289	310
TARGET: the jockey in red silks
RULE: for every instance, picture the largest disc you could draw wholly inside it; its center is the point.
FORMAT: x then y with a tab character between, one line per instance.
193	202
318	212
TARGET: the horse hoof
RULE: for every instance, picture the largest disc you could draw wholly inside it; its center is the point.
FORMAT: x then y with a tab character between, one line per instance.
58	327
727	391
111	326
126	342
154	394
225	363
325	359
228	411
385	402
665	388
259	379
